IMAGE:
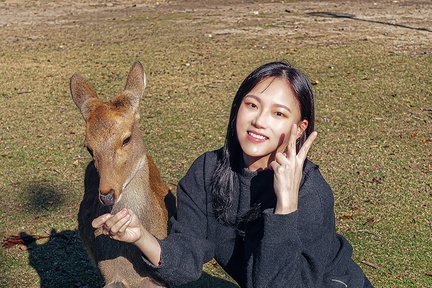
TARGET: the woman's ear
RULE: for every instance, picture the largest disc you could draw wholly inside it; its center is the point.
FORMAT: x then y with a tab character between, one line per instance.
301	127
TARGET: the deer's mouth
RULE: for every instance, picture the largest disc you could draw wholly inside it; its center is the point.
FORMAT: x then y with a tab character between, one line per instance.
107	199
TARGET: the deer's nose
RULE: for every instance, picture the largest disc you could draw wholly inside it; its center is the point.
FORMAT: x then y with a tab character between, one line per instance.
107	198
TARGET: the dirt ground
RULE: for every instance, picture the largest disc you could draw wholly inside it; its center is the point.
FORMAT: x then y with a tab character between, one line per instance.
370	63
405	26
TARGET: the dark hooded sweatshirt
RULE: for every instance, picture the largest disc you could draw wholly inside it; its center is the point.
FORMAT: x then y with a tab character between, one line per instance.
300	249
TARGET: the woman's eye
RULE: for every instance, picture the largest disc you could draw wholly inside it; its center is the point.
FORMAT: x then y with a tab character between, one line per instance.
90	151
126	141
280	114
252	105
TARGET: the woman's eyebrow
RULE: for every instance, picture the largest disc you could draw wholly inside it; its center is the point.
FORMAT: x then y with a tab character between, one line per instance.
253	96
284	107
259	100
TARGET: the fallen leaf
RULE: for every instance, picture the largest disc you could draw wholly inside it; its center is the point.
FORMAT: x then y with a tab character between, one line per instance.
21	240
346	217
24	91
370	221
370	264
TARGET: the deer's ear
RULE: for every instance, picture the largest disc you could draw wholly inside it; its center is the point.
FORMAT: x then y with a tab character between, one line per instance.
81	91
136	84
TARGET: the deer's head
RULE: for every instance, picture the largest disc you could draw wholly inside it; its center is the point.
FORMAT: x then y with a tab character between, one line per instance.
112	135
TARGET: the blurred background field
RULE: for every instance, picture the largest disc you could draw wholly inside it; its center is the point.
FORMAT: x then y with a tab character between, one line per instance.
370	63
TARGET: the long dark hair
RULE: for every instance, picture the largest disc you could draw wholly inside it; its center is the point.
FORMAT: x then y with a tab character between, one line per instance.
230	158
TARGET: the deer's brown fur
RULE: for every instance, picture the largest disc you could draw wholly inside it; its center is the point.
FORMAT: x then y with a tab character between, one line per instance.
120	169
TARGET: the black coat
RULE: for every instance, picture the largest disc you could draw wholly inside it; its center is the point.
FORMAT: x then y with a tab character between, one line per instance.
300	249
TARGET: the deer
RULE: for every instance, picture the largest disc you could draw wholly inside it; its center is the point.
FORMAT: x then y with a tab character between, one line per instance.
121	175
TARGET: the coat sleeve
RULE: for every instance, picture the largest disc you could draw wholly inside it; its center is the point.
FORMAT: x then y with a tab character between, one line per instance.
186	248
295	249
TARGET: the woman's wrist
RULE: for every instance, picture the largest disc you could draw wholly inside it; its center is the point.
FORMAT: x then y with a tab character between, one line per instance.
285	208
140	242
149	246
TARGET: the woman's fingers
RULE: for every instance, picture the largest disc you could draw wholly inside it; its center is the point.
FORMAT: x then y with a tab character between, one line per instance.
125	226
100	221
119	225
111	224
291	147
274	165
281	159
288	171
115	218
306	146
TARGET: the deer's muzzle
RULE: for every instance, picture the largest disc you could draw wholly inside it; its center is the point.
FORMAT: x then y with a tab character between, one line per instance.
107	199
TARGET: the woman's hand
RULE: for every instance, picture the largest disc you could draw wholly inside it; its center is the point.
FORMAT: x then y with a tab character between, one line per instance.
288	169
123	226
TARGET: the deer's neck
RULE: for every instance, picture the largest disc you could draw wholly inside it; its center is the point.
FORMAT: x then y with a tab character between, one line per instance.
135	194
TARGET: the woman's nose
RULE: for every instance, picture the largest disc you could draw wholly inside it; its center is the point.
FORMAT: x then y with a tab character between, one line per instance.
259	121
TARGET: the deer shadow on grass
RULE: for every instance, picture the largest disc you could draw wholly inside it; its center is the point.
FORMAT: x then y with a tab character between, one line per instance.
63	262
58	257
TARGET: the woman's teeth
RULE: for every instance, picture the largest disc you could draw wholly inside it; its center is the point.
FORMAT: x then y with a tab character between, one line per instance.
260	137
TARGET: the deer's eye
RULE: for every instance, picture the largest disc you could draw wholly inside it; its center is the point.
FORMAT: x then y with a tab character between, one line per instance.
126	141
90	151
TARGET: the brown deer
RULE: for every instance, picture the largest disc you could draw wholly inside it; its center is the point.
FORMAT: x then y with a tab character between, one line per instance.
121	175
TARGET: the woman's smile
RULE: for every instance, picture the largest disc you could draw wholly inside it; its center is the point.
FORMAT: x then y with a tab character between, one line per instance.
256	137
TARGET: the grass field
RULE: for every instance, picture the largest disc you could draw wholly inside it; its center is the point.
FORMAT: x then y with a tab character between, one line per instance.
371	64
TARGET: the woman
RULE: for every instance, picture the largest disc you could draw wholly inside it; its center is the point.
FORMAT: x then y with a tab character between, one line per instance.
256	205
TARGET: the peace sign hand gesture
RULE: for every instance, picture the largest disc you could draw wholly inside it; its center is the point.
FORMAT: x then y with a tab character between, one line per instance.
288	169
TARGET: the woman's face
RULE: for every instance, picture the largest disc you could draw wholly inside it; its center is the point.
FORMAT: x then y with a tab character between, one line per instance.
264	120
